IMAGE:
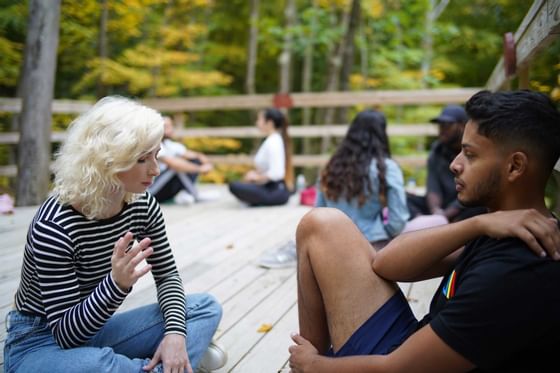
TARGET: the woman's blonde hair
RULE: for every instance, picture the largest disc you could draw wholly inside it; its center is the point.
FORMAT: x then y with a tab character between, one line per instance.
107	139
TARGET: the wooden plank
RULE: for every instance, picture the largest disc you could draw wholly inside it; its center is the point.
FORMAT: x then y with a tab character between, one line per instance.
271	353
244	336
243	302
298	160
13	105
311	160
538	29
238	102
420	295
251	102
318	130
388	97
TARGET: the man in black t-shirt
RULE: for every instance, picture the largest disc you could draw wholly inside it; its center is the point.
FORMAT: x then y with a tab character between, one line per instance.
497	308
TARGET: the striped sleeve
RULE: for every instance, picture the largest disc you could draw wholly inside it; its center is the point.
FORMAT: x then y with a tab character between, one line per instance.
73	320
170	292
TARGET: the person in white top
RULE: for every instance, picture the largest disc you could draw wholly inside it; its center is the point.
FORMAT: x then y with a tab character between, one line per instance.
270	182
179	168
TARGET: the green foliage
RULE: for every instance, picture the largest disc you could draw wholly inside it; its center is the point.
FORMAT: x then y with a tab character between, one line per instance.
161	48
12	39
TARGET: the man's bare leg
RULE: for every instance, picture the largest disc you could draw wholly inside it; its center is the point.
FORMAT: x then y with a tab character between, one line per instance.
337	288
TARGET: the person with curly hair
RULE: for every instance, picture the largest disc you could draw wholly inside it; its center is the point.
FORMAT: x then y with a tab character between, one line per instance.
85	250
361	180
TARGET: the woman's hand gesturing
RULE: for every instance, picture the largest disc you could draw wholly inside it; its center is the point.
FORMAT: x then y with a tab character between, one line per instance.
123	263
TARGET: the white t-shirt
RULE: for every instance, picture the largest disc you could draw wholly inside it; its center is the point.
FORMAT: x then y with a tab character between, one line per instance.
270	158
170	148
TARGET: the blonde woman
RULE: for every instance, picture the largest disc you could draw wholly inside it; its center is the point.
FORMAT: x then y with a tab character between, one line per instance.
82	253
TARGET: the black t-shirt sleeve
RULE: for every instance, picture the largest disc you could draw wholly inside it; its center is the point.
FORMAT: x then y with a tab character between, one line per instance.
502	306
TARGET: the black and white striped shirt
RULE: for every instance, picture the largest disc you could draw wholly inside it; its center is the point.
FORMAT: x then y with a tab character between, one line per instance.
66	274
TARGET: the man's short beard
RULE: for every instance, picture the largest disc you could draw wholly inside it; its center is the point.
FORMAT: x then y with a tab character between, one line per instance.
485	192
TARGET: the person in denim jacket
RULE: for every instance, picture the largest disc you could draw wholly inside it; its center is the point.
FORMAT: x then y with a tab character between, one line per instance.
361	179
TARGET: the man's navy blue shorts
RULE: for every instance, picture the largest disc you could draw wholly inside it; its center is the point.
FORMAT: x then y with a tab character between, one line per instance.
383	332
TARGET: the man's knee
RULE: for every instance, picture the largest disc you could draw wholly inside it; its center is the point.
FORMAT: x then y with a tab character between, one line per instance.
321	222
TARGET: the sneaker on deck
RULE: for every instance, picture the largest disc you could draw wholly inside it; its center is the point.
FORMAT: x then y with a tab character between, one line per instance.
284	257
184	198
208	195
214	358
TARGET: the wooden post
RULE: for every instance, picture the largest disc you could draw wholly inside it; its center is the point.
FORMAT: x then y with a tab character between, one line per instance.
34	151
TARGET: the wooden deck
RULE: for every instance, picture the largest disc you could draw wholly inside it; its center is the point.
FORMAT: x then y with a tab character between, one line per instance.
216	246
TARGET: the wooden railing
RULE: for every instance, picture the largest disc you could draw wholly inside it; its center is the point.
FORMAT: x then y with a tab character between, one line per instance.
298	100
295	100
538	29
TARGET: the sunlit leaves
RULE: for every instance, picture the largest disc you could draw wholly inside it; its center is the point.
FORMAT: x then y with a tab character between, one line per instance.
11	53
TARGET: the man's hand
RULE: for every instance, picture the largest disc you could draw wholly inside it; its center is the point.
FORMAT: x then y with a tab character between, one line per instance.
123	263
172	353
303	355
539	232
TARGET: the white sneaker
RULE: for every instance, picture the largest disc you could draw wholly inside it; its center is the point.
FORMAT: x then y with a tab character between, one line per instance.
283	257
208	195
214	358
184	198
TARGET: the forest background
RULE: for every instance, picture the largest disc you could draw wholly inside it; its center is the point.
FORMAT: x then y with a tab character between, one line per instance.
183	48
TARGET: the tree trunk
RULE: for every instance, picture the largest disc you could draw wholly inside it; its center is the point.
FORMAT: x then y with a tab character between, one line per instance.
333	79
253	47
432	13
285	60
399	109
100	87
364	56
348	55
156	69
39	67
307	76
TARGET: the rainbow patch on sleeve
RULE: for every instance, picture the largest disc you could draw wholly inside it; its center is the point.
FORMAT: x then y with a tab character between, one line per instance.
449	288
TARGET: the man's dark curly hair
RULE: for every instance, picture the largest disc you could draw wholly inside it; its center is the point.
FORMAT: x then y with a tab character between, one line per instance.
347	172
522	119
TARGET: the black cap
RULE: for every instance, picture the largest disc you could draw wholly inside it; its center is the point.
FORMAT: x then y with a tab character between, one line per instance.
451	114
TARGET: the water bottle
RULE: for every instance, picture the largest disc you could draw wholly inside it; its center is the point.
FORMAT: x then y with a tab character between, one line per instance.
411	184
300	183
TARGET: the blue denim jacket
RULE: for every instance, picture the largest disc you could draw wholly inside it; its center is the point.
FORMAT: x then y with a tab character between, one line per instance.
368	217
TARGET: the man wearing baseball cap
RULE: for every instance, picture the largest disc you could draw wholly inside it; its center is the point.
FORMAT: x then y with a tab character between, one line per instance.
441	196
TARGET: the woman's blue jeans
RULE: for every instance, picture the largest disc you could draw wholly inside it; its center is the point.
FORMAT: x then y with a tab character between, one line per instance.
124	344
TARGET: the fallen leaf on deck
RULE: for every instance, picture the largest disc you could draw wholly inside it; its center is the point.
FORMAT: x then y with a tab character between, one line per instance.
264	328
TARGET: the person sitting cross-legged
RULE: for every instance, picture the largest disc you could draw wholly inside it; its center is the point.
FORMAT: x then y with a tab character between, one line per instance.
88	245
270	182
497	307
179	169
